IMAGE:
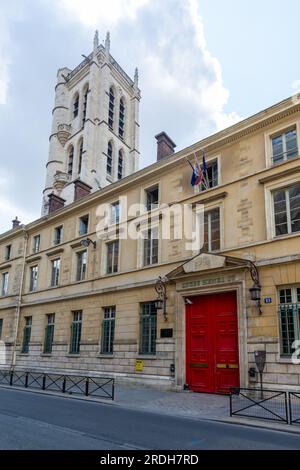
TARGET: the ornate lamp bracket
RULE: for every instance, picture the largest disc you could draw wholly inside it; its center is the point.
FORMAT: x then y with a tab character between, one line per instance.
255	291
161	301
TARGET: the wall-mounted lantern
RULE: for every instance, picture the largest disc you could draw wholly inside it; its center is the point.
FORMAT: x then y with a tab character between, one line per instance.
255	291
87	241
161	301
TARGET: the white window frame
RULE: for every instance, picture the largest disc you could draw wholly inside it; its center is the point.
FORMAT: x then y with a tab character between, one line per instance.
36	280
269	206
76	265
143	196
208	161
104	256
276	132
52	261
295	301
4	283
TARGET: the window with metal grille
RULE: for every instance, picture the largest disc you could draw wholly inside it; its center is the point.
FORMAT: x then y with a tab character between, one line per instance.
211	175
152	195
55	270
7	255
26	335
1	327
4	286
111	107
108	330
109	159
83	225
148	327
36	243
112	257
121	118
212	230
58	235
34	270
80	155
76	332
289	314
287	210
84	105
70	160
120	165
81	265
49	333
285	146
150	255
75	106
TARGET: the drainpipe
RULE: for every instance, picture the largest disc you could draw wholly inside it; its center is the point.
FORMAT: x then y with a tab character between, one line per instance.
19	302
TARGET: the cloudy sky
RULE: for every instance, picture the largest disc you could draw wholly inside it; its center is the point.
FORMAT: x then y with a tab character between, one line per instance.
204	64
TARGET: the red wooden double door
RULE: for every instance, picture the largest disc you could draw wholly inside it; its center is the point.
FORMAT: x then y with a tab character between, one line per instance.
212	356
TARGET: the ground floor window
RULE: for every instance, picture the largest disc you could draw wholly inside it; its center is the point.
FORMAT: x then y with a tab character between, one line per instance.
289	314
148	327
108	330
26	335
49	333
76	332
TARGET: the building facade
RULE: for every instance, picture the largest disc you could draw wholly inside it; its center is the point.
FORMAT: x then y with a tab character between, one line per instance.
94	139
78	295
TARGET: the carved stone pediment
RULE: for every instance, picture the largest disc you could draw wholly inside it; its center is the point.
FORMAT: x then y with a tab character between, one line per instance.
203	262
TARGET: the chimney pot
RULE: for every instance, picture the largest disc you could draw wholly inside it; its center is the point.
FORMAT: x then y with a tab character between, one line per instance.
165	145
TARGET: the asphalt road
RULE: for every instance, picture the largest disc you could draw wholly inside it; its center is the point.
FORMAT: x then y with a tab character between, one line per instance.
32	421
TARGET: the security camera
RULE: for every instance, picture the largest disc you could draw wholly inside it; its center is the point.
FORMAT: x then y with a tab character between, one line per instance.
188	301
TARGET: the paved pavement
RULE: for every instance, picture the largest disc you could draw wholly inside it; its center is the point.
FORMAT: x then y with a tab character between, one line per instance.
36	421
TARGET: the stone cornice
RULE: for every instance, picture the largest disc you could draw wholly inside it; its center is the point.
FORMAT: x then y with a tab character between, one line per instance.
55	252
281	174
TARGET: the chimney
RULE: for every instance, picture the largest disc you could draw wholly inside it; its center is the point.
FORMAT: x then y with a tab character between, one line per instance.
55	203
81	189
16	223
165	145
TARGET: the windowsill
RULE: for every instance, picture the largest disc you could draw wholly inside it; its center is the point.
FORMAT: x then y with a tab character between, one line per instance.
106	356
73	355
24	354
146	356
287	235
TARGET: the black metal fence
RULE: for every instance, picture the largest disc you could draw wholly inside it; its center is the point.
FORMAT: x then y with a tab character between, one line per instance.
100	387
294	407
260	404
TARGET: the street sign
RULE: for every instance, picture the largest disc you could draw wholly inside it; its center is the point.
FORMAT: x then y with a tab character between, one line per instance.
268	300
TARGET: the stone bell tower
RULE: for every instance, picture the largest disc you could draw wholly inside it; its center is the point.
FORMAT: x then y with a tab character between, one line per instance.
95	128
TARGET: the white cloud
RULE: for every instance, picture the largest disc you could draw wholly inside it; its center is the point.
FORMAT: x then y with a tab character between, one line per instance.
97	12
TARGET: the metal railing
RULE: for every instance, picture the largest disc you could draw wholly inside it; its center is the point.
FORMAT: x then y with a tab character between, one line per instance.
100	387
294	407
260	404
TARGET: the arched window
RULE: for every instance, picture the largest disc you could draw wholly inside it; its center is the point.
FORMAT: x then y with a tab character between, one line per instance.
121	118
84	104
70	160
80	153
111	108
120	165
75	105
109	158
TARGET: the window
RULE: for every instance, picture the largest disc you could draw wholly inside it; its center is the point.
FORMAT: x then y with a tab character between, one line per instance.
109	159
150	247
1	327
85	97
148	328
4	287
49	333
212	174
80	154
284	146
26	335
120	165
34	270
152	195
7	254
111	107
70	160
76	332
112	257
115	213
121	118
289	313
75	106
212	230
81	266
36	244
83	225
108	330
287	210
55	269
58	235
